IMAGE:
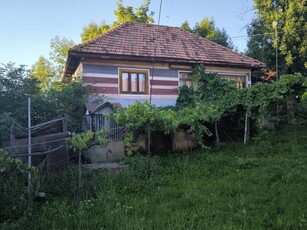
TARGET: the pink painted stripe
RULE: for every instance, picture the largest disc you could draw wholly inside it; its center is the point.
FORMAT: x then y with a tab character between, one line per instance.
107	90
165	91
100	80
166	83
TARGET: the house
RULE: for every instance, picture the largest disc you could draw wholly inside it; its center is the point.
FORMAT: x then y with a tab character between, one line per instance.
138	61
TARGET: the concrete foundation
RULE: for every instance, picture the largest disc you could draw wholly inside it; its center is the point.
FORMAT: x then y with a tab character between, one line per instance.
184	140
114	151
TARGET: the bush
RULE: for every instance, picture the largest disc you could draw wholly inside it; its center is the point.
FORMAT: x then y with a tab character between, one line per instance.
13	192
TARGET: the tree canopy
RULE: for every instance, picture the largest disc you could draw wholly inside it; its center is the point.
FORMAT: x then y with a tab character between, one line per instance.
43	71
46	71
207	29
59	50
260	43
93	30
17	83
291	19
123	14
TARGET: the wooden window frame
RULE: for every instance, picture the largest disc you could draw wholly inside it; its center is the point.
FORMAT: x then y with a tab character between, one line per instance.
185	79
239	80
129	72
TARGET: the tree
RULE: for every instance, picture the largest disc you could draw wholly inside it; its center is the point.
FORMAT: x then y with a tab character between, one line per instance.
46	71
123	14
185	26
16	84
59	50
43	72
260	43
260	47
291	18
207	29
127	14
69	100
93	30
222	38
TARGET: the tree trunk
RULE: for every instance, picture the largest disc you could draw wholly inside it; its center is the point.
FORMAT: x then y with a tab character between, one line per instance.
217	135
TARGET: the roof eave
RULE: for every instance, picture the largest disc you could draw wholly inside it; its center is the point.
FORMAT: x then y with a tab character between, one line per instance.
76	56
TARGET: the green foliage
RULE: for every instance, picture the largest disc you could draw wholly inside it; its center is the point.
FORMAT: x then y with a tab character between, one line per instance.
46	71
210	91
128	140
292	84
225	99
69	99
185	26
123	14
101	137
207	29
80	141
291	19
59	50
127	14
195	118
260	44
16	85
7	163
143	117
211	100
185	98
258	186
140	115
43	71
93	30
13	193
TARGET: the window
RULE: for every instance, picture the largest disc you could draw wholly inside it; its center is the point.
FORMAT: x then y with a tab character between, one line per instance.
133	81
239	80
185	78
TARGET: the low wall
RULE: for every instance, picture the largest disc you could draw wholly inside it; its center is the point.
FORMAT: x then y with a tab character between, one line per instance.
114	151
184	140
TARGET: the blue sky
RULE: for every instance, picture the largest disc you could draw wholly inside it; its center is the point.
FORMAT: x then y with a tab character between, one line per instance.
27	26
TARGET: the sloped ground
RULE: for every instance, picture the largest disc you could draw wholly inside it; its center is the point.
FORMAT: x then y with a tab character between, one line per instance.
259	186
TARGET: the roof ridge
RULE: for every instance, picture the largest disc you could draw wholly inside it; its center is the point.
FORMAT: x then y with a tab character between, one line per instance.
224	47
217	44
133	40
80	45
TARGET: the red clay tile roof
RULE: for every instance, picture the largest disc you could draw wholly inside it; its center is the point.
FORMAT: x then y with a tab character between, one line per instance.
138	40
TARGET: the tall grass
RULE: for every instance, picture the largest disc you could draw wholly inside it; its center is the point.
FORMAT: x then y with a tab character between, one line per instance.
259	186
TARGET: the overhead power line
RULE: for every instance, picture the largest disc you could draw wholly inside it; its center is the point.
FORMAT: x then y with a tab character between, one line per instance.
255	35
170	11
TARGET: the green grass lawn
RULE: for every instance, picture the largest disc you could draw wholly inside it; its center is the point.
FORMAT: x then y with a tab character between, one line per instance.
259	186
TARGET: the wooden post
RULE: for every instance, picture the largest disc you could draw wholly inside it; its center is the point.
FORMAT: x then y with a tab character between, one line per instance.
148	150
29	145
246	130
64	124
79	189
217	135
